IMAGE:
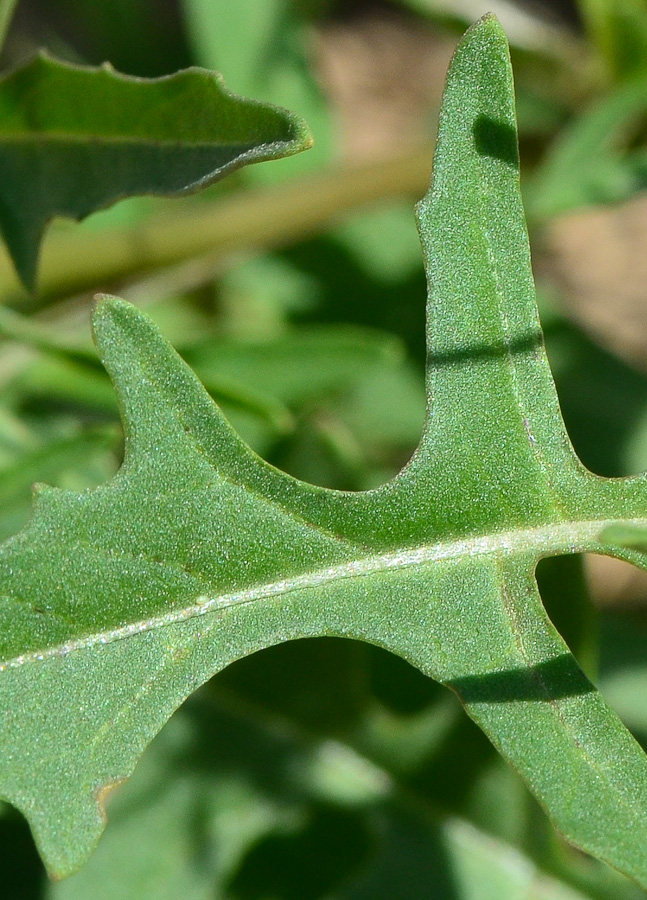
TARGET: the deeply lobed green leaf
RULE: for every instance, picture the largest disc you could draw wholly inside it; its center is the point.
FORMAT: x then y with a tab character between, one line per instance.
116	603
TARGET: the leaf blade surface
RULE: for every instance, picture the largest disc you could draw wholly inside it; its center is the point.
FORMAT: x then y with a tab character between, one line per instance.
118	602
75	139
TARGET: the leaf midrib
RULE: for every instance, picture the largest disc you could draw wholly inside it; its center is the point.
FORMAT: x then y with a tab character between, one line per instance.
31	137
540	541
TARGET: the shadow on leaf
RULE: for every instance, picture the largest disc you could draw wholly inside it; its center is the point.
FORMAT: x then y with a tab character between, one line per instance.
497	140
551	680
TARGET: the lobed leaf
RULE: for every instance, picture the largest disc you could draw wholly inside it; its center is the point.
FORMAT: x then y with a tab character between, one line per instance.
116	603
75	139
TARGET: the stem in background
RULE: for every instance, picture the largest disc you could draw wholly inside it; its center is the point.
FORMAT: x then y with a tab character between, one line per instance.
253	218
7	8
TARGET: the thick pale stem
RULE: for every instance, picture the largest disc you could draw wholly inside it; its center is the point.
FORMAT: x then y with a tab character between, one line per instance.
256	218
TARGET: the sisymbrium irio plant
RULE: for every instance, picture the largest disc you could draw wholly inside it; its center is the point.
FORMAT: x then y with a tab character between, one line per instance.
120	601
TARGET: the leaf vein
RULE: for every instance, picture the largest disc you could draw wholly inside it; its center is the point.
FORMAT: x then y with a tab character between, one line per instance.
545	540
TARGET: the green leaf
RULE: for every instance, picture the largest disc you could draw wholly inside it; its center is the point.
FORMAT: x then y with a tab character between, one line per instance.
74	139
627	535
301	365
589	162
618	29
263	49
116	603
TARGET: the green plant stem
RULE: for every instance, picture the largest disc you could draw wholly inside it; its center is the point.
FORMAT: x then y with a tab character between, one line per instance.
259	218
7	9
17	327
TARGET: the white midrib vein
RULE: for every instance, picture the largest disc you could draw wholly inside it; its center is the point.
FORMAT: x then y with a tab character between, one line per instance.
545	540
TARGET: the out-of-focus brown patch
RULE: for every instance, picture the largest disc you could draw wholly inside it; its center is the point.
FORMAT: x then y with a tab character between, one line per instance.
615	583
597	258
384	73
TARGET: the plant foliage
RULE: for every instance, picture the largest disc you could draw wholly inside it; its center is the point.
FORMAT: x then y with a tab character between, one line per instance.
118	602
94	136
